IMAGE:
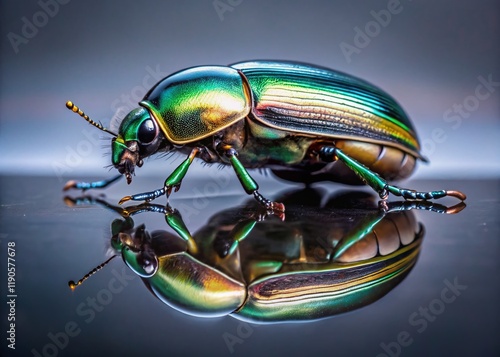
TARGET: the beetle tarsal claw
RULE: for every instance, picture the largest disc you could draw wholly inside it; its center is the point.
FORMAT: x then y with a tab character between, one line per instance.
456	208
124	199
456	194
169	210
69	185
382	204
69	201
277	209
126	213
280	215
277	206
168	189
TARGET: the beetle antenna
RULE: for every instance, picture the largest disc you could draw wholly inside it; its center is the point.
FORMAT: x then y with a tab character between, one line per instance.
73	285
71	106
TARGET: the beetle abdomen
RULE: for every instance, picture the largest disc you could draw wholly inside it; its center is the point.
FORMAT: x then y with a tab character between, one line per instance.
389	162
311	100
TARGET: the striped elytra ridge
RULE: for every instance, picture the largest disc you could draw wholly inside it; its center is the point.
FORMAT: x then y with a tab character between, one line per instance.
318	101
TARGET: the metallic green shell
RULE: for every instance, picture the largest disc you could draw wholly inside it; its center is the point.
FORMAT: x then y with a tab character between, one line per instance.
318	101
195	288
198	102
326	289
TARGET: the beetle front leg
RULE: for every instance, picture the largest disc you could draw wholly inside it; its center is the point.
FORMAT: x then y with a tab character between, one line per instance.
172	182
330	153
251	187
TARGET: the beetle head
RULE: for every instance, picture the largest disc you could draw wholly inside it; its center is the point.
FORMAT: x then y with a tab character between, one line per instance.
141	250
138	253
138	137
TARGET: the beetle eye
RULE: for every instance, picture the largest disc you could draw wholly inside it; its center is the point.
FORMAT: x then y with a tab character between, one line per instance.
147	132
148	262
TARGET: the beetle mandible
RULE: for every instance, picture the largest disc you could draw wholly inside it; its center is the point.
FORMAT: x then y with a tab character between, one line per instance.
306	123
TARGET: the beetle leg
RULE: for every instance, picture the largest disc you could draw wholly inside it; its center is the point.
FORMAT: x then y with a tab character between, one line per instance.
370	221
357	233
421	205
172	182
226	245
175	179
174	220
88	185
250	186
379	184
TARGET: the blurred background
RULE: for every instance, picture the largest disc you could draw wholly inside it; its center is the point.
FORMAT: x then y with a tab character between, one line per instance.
439	60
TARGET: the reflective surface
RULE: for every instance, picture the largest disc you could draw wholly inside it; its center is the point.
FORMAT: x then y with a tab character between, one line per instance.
330	255
446	305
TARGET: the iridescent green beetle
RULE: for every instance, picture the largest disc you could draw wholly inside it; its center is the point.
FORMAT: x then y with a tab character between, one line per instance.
314	265
321	262
305	123
333	254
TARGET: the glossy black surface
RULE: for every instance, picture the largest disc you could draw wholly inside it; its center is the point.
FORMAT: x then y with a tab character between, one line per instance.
108	316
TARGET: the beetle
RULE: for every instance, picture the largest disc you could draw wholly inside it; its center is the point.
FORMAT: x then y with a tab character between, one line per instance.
325	259
304	122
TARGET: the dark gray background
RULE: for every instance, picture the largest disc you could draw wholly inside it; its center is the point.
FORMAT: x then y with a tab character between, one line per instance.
429	56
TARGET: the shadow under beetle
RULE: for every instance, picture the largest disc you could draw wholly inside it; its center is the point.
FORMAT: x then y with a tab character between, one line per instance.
306	123
322	261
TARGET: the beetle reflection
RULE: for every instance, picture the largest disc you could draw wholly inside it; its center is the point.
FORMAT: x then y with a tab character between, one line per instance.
321	261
